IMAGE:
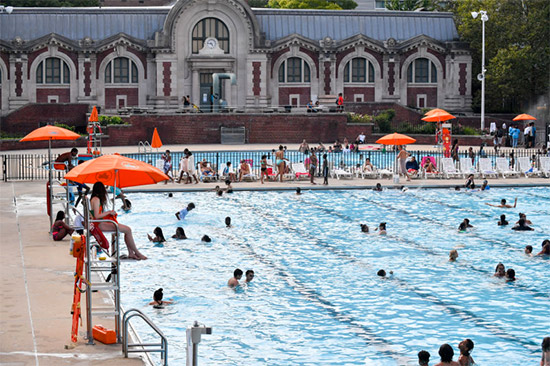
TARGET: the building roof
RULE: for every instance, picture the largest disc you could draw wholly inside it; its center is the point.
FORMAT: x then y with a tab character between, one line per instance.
143	22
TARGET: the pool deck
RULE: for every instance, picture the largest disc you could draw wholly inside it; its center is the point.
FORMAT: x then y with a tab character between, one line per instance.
37	274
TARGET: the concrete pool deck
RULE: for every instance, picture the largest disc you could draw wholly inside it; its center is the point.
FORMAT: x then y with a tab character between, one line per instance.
37	273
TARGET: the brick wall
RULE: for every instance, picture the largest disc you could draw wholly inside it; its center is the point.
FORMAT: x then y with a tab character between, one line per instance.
285	92
367	92
64	95
111	94
431	95
31	116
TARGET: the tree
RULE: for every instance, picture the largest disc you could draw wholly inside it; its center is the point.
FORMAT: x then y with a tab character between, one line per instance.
410	5
313	4
51	3
517	50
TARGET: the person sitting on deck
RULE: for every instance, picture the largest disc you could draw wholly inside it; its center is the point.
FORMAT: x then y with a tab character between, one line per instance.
60	229
205	169
412	166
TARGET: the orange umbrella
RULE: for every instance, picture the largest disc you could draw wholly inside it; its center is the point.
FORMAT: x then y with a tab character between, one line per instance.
50	133
436	110
156	142
117	171
395	139
524	117
438	117
94	117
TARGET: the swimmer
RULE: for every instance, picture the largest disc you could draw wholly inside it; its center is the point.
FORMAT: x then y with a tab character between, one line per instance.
228	222
364	228
170	195
510	275
446	353
181	215
206	239
503	204
522	226
528	250
180	234
502	221
423	358
229	187
465	224
524	216
500	270
545	248
485	185
378	187
298	191
545	360
234	281
453	255
159	236
157	299
381	273
465	347
382	229
249	276
126	205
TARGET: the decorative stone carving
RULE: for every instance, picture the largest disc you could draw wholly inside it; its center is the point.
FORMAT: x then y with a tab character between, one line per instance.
18	42
391	42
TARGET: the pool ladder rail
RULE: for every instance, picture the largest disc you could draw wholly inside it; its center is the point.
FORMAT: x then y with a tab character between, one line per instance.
161	347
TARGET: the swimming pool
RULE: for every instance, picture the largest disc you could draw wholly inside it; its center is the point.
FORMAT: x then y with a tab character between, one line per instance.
316	298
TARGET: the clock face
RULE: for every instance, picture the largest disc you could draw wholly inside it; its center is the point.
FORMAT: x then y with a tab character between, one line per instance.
211	43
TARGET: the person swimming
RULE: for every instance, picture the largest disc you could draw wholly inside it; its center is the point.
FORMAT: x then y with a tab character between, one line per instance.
500	270
206	239
159	236
522	226
510	275
453	255
180	234
381	273
378	187
503	204
228	222
298	191
528	250
382	229
157	302
364	228
502	221
465	347
234	281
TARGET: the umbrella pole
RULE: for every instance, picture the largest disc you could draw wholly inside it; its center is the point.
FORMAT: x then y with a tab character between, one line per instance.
114	191
50	182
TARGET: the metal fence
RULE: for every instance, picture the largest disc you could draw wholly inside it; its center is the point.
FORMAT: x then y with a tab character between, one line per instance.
34	166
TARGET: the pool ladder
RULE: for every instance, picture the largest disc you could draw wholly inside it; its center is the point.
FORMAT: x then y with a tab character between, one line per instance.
161	347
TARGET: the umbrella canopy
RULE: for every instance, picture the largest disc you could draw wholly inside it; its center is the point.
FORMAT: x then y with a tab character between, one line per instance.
395	139
436	110
438	117
156	142
524	117
94	117
50	133
116	170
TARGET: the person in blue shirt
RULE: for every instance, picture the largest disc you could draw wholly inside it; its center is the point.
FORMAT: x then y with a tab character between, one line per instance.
181	215
412	166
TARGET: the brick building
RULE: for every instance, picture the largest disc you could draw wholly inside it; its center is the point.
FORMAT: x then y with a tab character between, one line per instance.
222	50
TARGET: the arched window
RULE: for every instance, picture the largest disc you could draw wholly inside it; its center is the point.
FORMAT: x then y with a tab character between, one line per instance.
121	70
53	70
359	70
210	27
294	70
422	70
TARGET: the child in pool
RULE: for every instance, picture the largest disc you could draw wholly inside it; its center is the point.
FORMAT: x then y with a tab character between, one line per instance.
159	236
180	234
181	214
382	229
465	347
157	299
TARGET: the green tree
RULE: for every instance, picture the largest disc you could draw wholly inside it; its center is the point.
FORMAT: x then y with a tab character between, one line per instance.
517	50
50	3
410	5
313	4
258	3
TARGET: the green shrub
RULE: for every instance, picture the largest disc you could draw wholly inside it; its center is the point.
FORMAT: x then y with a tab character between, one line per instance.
63	125
469	131
111	120
359	118
383	120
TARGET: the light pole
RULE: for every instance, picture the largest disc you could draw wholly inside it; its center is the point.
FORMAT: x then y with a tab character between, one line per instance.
481	76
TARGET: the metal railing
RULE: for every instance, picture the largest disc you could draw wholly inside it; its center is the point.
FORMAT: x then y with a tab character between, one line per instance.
29	166
161	347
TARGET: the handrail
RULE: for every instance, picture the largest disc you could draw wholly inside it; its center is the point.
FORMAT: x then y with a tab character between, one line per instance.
163	342
146	146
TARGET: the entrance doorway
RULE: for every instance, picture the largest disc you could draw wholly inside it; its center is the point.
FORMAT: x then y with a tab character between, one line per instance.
208	96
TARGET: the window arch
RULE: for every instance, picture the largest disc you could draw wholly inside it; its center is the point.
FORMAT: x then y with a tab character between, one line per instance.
422	70
121	70
294	70
359	70
53	70
210	27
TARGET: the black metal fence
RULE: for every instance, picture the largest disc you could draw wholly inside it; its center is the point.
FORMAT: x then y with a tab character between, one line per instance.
34	166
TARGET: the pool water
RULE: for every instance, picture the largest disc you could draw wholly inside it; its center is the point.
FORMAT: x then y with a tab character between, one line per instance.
316	298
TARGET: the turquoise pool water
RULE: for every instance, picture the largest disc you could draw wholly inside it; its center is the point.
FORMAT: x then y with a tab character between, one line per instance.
316	298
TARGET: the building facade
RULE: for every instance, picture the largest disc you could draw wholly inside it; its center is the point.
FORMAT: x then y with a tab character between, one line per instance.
223	51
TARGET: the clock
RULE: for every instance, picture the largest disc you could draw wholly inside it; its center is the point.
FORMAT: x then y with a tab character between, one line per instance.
211	43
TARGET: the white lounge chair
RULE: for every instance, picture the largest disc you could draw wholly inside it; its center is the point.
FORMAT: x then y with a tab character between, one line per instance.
449	169
526	168
427	175
205	178
466	168
486	168
360	172
300	171
503	168
220	172
544	162
252	177
341	173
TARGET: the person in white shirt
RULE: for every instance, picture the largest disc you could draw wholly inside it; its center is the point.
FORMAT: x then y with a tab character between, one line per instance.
361	138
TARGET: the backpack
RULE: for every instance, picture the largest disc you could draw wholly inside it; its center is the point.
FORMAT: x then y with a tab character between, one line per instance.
336	101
